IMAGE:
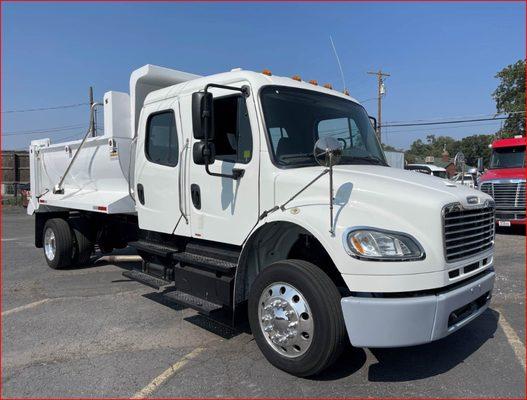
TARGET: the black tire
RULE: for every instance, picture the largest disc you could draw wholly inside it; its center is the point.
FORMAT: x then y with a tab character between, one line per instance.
84	241
63	243
329	332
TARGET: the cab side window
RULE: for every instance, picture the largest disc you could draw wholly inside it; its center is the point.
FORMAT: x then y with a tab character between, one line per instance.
161	144
232	131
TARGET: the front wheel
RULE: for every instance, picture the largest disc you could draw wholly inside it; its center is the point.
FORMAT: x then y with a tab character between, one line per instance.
296	318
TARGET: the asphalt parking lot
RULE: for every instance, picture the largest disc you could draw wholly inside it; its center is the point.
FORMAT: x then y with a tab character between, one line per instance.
90	332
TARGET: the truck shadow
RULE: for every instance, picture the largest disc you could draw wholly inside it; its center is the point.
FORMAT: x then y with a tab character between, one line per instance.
516	230
424	361
349	362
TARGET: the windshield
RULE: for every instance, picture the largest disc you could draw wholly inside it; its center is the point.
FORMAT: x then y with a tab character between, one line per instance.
297	118
508	157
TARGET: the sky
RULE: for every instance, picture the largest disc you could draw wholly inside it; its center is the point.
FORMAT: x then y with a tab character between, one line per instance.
442	57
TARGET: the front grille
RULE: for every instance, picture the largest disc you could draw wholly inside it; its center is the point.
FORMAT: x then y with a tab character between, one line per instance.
467	232
509	198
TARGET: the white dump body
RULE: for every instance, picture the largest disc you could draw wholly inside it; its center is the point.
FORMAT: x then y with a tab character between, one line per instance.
101	178
98	179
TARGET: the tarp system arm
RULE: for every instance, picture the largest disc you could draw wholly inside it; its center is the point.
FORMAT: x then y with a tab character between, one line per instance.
58	189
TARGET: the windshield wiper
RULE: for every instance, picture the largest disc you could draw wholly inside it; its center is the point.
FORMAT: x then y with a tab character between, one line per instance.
300	155
374	159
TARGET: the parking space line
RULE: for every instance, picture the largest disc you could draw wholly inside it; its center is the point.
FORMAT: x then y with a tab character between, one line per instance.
173	369
517	346
24	307
15	238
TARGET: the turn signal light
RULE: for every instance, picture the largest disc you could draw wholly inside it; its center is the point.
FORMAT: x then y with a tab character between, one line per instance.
267	72
313	82
297	78
328	86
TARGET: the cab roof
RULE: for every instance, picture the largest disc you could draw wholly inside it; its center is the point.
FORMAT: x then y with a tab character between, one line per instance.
255	78
509	142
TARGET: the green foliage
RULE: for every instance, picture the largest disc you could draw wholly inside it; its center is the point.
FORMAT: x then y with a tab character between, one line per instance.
472	147
12	201
387	147
510	98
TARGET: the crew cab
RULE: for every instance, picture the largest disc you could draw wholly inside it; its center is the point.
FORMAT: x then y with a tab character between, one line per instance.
267	197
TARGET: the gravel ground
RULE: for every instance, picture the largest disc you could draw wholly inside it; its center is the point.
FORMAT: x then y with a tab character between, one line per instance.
92	333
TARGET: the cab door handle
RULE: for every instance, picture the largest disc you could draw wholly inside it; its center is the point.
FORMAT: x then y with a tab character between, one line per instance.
141	193
195	194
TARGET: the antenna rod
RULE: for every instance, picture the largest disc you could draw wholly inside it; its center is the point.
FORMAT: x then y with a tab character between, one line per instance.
338	62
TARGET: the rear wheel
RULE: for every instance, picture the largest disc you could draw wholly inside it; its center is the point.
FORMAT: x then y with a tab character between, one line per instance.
84	240
58	243
296	318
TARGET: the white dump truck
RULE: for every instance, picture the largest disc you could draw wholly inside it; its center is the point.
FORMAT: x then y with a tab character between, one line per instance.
244	191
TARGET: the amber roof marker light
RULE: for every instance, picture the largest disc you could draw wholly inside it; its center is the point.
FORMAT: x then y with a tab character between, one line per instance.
267	72
313	82
328	86
296	78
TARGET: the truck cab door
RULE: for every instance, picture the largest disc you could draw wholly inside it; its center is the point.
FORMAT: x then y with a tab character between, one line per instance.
161	155
224	209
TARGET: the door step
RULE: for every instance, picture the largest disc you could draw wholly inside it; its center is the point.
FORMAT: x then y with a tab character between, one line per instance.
209	260
154	248
206	262
187	300
146	279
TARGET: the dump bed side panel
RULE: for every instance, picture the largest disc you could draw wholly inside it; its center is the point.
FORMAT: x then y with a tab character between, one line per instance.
99	178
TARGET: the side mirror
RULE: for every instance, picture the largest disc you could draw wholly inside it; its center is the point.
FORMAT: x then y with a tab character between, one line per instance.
328	151
203	153
480	164
202	113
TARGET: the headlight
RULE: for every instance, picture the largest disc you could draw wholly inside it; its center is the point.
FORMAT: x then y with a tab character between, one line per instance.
376	244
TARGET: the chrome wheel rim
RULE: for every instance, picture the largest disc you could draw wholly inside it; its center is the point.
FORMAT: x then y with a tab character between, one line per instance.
50	246
285	319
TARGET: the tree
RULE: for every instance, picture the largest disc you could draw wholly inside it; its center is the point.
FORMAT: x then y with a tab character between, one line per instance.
474	147
510	98
387	147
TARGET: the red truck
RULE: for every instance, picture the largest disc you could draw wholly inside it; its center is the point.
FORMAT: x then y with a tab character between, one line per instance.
505	180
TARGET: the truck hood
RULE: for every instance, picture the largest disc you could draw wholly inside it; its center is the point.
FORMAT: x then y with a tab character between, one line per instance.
375	183
378	197
504	173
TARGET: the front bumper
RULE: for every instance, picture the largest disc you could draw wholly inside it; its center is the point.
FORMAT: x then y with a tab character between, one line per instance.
408	321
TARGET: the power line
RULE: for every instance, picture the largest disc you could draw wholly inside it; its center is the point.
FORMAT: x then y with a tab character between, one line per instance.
421	131
445	122
46	130
40	131
45	108
494	115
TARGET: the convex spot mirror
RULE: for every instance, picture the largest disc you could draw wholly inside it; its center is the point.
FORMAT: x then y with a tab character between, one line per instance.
459	160
480	164
202	114
328	151
203	153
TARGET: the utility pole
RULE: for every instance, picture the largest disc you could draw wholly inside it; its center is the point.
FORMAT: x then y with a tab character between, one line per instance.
380	81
